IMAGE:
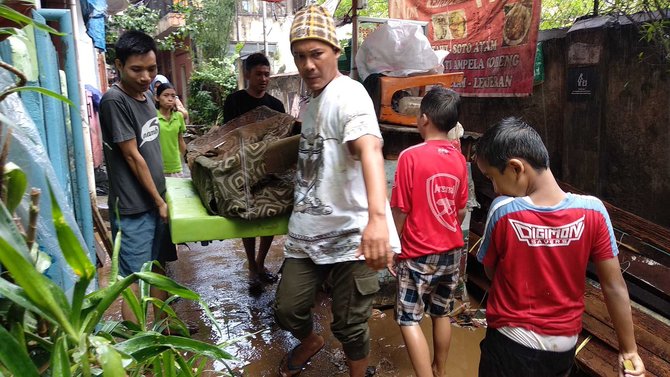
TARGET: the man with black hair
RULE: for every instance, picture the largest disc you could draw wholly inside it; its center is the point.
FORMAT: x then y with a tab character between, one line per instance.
257	74
133	155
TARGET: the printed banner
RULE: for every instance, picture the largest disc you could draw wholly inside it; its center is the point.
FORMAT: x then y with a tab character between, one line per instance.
492	41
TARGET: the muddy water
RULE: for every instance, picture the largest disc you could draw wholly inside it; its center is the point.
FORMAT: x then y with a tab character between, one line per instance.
218	273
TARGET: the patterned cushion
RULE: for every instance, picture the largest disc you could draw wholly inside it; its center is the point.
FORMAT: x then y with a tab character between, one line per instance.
228	166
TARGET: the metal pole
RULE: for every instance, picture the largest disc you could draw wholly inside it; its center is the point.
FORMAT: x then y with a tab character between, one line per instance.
354	39
82	199
265	41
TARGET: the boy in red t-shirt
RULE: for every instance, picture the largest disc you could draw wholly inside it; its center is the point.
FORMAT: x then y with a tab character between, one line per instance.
428	206
536	246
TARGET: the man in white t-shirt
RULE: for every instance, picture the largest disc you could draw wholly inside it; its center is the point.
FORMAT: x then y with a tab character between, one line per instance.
341	228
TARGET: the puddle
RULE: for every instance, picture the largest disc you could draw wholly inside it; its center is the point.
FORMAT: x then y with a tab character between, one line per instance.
218	273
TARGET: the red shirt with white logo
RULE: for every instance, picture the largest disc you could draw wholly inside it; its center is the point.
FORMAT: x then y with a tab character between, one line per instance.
540	256
431	185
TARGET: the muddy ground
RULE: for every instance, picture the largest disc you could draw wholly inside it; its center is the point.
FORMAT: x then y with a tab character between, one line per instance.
218	273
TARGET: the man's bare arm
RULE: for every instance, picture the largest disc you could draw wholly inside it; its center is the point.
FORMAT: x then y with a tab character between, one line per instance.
141	171
375	244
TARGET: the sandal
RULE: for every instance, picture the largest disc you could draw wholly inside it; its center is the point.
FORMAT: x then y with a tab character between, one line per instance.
268	277
294	370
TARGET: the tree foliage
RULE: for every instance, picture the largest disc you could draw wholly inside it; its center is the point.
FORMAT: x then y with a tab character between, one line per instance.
209	86
208	23
375	8
654	29
212	24
135	17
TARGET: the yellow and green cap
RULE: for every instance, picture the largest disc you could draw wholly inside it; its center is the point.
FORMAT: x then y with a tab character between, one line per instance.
314	22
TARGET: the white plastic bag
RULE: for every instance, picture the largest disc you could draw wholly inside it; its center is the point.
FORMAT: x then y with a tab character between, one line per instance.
397	49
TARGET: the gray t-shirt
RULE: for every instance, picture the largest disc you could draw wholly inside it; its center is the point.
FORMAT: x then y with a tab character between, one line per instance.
124	118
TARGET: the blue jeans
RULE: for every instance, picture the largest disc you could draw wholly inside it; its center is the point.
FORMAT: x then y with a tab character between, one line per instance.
143	236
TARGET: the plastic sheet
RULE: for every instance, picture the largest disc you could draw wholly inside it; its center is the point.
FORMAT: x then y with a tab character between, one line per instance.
26	151
397	49
94	12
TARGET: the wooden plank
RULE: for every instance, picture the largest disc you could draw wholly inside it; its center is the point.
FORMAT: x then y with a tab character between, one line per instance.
645	272
650	332
100	250
637	226
101	230
596	358
605	333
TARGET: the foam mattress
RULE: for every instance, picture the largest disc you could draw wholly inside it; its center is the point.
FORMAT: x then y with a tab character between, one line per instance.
190	222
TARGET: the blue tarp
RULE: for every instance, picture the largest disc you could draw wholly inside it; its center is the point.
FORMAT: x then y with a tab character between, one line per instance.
94	12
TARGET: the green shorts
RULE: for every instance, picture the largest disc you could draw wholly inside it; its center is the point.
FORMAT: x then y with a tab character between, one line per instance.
353	287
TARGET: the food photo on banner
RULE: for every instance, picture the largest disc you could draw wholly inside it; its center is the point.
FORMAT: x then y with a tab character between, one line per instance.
492	42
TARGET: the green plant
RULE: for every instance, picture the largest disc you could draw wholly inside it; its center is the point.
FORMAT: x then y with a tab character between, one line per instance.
135	17
209	86
44	333
375	8
211	23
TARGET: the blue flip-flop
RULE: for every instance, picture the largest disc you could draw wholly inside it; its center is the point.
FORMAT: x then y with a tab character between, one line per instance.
295	370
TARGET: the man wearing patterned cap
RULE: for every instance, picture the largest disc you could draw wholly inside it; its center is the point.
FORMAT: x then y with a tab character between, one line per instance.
340	228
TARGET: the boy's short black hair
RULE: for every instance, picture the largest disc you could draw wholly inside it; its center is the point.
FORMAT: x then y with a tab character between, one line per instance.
441	106
512	138
134	42
255	60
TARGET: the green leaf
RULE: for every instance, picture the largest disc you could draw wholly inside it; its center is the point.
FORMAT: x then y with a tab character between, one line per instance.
114	273
8	31
77	300
15	184
102	300
12	15
144	287
72	249
142	347
41	260
170	286
41	291
186	369
10	234
60	361
108	357
14	357
18	332
40	90
17	295
168	364
162	307
138	310
82	356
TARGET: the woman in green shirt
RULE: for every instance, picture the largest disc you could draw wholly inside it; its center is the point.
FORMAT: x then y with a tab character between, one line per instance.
172	128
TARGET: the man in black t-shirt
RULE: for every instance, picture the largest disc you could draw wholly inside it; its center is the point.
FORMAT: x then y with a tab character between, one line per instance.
134	162
257	74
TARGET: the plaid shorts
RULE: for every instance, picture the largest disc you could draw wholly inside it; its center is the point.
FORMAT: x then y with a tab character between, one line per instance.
432	278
